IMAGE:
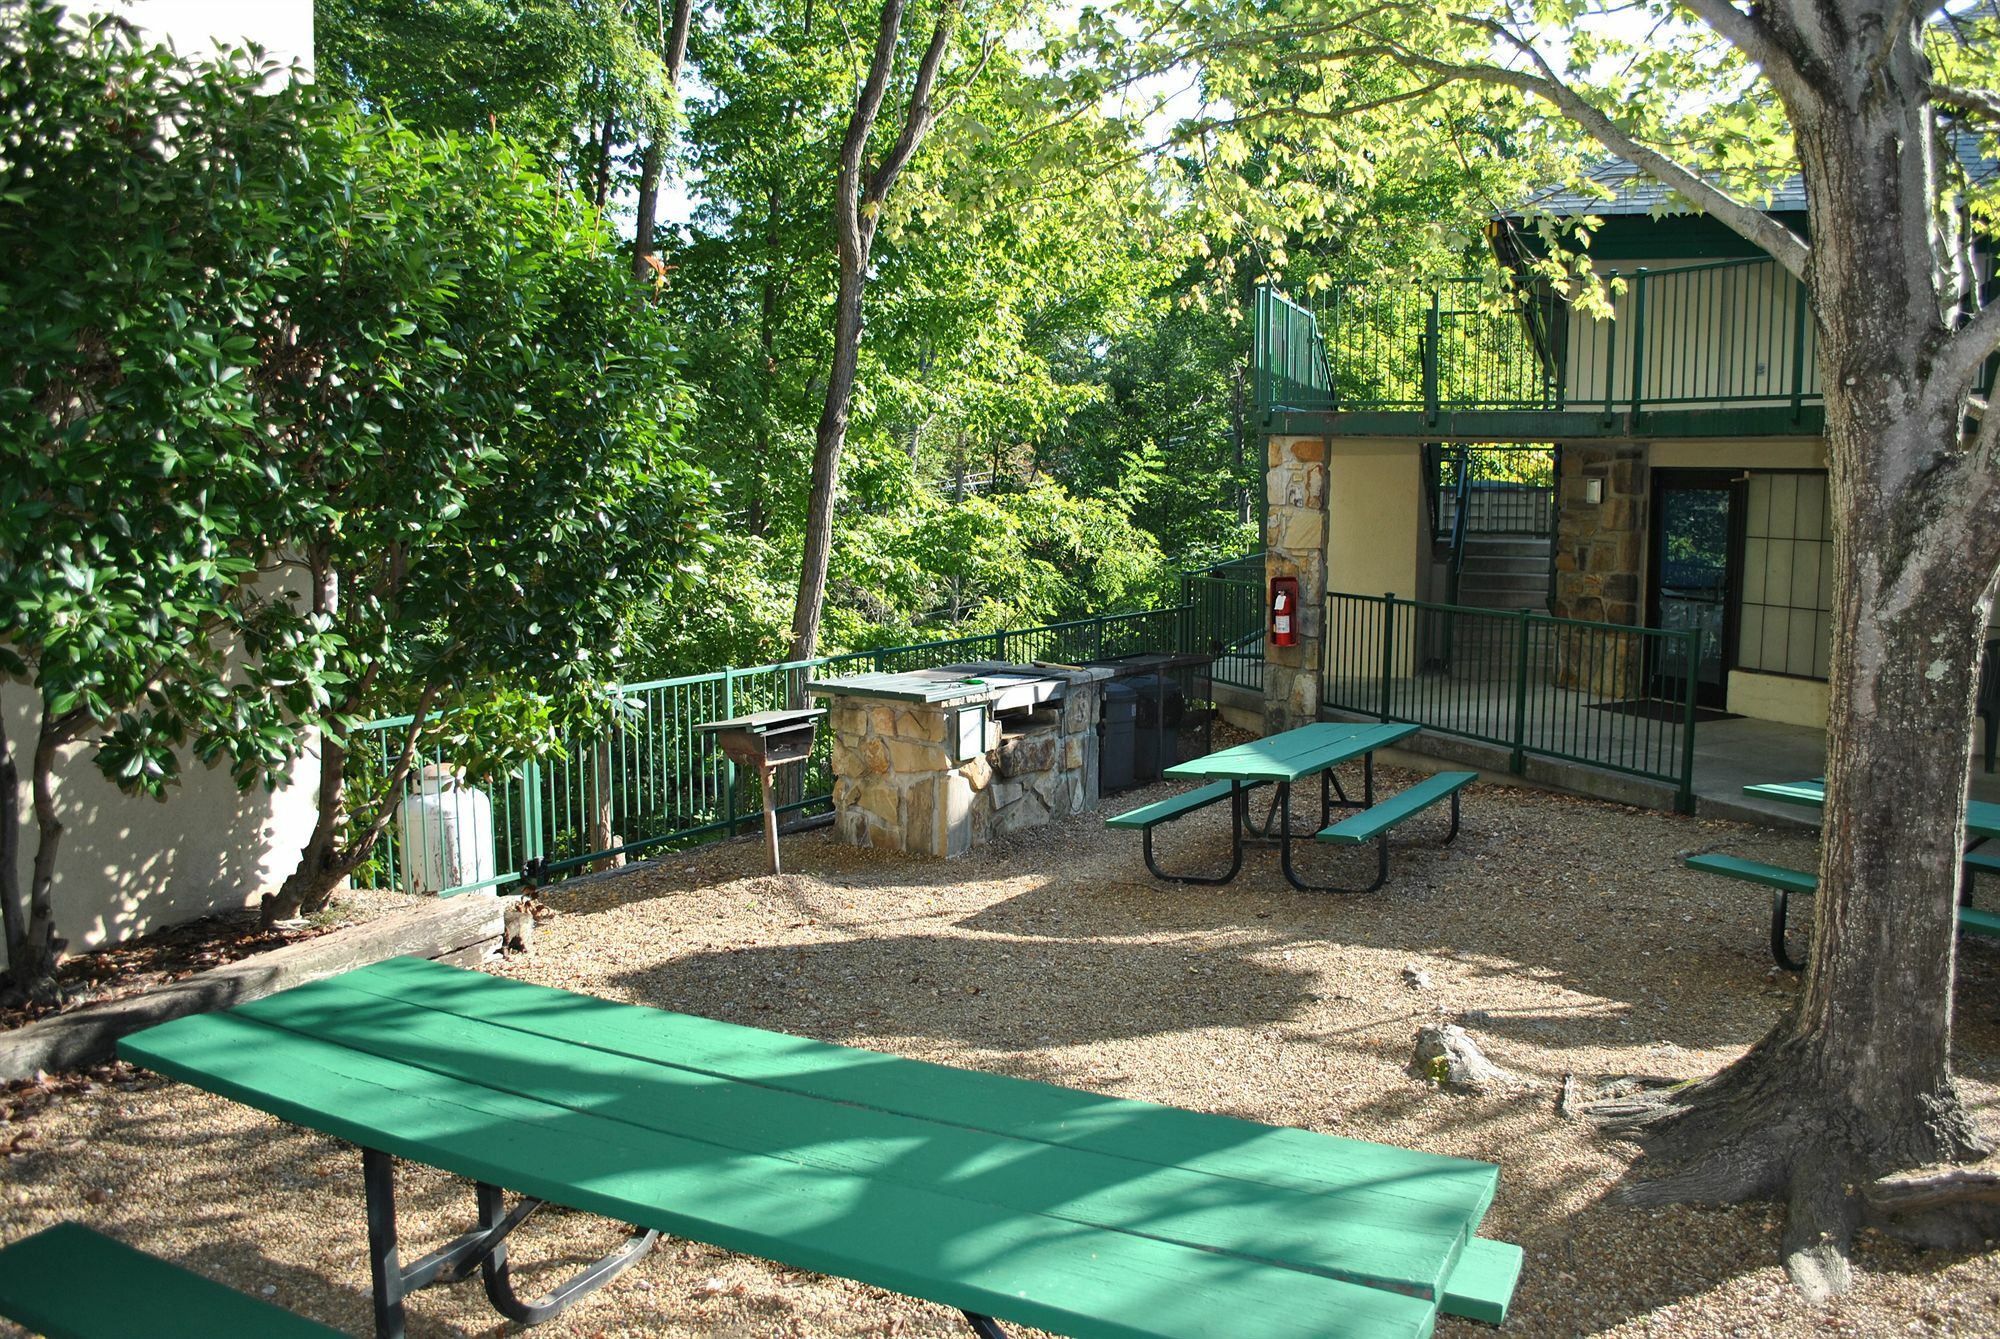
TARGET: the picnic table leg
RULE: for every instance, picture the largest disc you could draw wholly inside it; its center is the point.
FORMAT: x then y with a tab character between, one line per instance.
500	1286
1239	807
1285	853
1781	901
385	1267
483	1248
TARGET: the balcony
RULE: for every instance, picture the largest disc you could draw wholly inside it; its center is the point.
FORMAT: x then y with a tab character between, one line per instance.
1716	350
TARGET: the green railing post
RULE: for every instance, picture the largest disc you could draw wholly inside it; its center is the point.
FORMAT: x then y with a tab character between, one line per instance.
1388	648
729	763
1684	801
1638	337
1430	359
1000	644
1798	350
532	845
1518	764
1610	352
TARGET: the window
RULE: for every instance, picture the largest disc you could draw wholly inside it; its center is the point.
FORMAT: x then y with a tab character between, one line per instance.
1787	624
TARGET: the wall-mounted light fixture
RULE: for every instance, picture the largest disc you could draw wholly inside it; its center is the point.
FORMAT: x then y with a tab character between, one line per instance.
1593	491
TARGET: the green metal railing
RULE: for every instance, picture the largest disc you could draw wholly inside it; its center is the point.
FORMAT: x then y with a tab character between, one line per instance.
654	782
1724	334
1224	616
1610	696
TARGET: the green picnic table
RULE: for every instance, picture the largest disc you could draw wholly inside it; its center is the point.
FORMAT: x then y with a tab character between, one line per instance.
1003	1198
1982	818
1283	760
1982	823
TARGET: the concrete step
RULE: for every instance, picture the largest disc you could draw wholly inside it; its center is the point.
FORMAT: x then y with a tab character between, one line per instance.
1482	563
1524	546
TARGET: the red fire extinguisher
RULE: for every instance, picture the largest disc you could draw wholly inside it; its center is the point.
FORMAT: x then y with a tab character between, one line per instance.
1284	611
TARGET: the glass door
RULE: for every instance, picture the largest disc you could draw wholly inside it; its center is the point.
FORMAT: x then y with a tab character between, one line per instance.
1695	552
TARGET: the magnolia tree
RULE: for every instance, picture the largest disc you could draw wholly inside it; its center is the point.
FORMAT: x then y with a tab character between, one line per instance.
475	421
308	418
139	244
1847	1110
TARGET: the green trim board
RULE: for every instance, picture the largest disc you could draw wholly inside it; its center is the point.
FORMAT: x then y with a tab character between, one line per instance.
1072	1212
1534	425
70	1282
1294	754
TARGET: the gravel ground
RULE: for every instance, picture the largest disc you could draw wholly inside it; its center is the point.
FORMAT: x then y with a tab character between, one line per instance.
1562	932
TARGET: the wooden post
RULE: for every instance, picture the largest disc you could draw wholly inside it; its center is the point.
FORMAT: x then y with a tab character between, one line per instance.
770	773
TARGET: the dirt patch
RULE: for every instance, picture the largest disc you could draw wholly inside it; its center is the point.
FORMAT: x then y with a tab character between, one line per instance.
1562	934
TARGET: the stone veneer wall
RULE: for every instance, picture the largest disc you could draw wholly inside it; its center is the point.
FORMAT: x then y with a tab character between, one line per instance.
1600	561
897	788
1295	546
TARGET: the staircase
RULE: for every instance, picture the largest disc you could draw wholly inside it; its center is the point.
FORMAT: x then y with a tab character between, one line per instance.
1505	572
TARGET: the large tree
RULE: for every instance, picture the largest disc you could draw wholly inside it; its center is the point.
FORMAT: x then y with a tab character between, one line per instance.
141	236
1836	1111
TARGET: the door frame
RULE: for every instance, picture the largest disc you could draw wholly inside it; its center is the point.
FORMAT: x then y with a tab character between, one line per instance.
1661	679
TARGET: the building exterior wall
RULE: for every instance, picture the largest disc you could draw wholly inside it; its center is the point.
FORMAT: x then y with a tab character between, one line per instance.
1295	545
1716	334
128	865
1378	537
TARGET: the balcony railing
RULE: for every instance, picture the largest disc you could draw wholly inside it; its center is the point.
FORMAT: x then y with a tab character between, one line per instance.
1731	334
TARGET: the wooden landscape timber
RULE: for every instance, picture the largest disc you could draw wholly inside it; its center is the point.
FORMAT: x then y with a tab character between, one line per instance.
462	930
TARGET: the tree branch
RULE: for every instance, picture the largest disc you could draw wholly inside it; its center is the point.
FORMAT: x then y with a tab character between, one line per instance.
1753	225
1749	34
1959	361
1973	101
917	120
867	106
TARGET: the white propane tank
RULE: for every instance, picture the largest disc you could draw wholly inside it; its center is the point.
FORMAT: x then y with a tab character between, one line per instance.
447	832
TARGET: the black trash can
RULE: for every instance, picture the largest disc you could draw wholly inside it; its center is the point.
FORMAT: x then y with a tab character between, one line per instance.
1156	742
1116	741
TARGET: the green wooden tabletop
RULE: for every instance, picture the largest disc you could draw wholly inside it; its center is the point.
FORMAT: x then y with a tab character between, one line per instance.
1072	1212
1982	818
1293	754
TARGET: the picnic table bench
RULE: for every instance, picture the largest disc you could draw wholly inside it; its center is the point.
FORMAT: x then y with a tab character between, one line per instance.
999	1197
1282	760
1982	822
68	1282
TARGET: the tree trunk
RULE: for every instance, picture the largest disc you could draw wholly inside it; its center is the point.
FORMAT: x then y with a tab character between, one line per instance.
13	915
309	887
827	445
1855	1083
31	966
649	209
858	204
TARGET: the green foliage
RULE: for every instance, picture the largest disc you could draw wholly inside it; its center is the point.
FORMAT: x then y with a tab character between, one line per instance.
548	74
308	415
140	231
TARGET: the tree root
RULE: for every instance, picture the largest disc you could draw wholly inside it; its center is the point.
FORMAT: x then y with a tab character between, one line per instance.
1751	1133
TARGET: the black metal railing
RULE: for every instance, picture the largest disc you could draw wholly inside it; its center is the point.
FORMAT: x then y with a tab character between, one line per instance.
1610	696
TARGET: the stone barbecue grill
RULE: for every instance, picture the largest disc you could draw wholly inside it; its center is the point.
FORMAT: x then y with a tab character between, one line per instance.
935	762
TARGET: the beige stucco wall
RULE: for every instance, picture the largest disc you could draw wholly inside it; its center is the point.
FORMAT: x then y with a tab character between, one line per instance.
1377	537
1774	697
127	865
284	28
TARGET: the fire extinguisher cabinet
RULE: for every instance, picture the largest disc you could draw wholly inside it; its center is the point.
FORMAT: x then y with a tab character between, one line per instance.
1284	626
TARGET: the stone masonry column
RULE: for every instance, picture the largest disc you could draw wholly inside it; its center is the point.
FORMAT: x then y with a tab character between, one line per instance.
1295	546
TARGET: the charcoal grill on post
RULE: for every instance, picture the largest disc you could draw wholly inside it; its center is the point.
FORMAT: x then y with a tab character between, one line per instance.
767	740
